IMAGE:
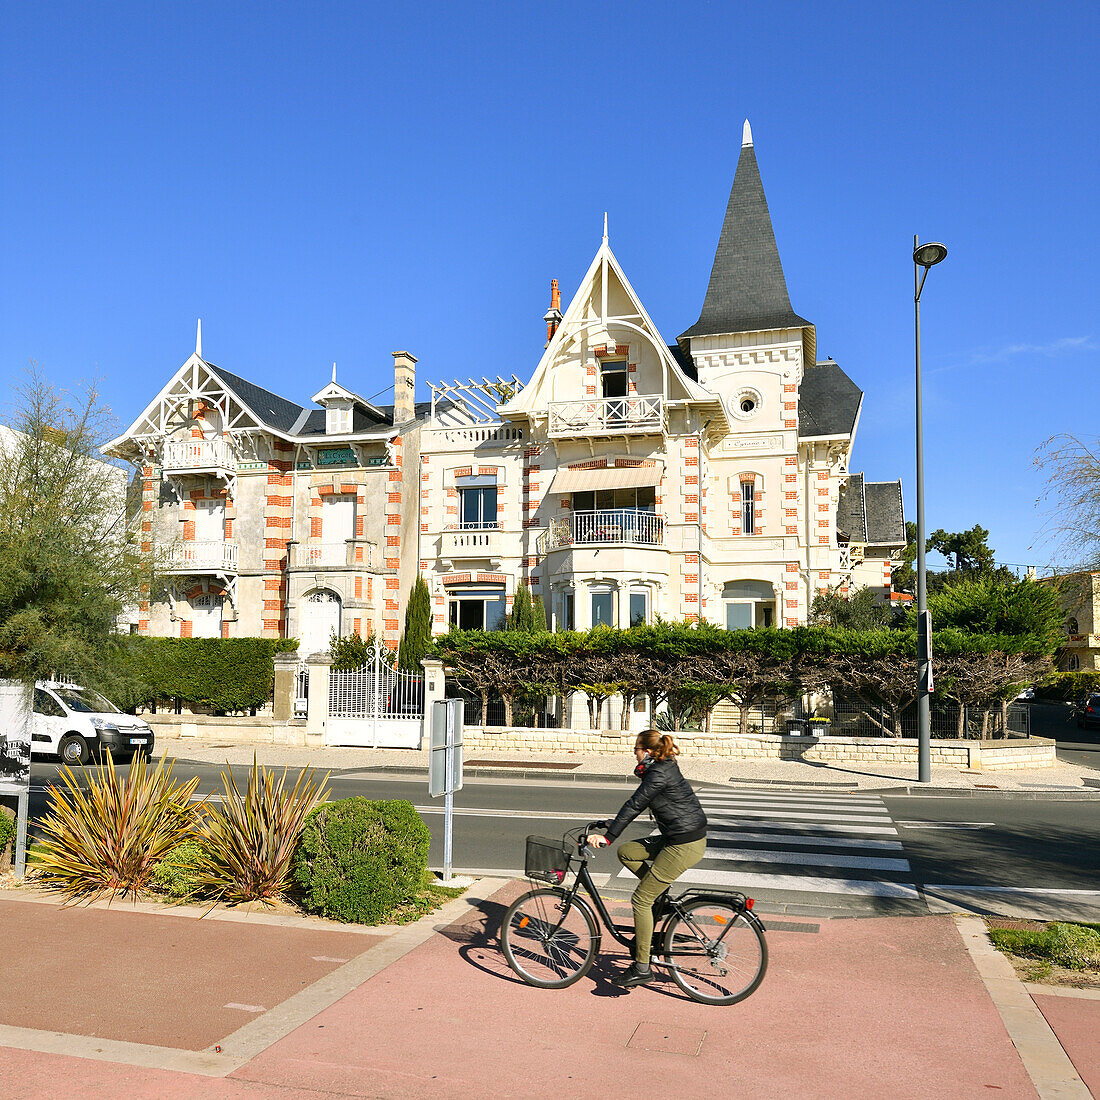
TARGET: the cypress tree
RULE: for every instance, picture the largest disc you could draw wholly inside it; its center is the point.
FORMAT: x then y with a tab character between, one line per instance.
520	619
538	616
417	639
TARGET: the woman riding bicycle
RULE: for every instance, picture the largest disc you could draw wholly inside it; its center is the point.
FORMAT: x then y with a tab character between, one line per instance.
659	860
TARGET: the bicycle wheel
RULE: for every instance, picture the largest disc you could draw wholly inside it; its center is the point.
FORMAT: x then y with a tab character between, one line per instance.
548	945
716	955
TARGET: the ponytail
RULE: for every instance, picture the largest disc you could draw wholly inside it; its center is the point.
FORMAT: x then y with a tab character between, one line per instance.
660	745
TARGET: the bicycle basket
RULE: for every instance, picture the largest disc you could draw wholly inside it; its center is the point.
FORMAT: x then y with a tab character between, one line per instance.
547	860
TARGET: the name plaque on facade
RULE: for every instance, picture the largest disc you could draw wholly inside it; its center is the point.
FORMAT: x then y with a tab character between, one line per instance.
761	443
333	456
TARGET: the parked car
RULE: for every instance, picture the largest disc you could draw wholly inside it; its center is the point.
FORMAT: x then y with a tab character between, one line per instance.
77	723
1087	711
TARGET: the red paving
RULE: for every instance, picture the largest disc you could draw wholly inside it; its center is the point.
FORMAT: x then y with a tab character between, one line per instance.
882	1007
862	1009
1076	1022
163	980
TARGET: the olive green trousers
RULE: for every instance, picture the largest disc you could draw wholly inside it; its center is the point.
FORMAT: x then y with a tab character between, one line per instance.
658	865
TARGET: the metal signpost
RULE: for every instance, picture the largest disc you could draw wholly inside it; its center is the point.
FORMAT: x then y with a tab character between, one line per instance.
15	760
445	766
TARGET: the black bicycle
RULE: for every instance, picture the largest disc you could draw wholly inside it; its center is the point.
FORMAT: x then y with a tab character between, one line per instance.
710	941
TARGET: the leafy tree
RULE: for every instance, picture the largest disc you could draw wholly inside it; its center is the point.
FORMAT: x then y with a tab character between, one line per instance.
967	552
417	638
861	609
521	618
538	615
353	651
68	564
903	576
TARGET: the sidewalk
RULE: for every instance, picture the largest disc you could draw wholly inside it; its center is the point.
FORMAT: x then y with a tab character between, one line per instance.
131	1004
618	767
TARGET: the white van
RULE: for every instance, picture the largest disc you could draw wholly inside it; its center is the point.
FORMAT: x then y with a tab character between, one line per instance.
76	723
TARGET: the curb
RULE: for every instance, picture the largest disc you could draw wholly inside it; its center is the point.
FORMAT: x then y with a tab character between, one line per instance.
1047	1064
1065	794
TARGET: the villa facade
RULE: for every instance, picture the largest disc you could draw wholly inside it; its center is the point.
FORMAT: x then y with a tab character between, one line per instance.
627	479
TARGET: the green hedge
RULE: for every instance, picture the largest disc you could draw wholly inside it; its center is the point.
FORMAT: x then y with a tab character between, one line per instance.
1067	686
359	860
224	674
7	833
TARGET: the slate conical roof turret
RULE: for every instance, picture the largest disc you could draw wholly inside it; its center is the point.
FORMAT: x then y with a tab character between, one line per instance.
747	291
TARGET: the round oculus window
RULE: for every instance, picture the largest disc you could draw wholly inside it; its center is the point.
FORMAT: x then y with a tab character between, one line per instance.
747	404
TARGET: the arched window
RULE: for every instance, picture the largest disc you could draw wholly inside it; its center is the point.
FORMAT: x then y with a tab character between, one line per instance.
1074	662
1072	626
320	619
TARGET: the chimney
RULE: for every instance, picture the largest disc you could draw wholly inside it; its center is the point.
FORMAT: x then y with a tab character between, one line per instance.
552	317
404	387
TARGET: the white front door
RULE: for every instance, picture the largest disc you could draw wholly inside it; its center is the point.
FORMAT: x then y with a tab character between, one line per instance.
320	619
206	617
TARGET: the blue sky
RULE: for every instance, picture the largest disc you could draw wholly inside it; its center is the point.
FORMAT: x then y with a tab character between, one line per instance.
336	181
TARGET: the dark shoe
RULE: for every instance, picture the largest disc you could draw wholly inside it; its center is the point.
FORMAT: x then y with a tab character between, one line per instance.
632	977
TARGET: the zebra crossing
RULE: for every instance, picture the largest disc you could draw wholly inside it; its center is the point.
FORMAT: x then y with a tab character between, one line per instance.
845	846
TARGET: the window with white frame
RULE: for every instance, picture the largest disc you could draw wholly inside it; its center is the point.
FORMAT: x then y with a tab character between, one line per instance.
639	606
338	418
338	517
748	604
602	606
476	607
477	502
566	616
613	376
748	507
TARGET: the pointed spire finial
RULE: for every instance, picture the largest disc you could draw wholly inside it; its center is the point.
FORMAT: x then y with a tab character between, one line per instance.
198	339
605	225
746	134
334	372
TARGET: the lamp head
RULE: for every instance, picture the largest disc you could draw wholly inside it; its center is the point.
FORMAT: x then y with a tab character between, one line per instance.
926	255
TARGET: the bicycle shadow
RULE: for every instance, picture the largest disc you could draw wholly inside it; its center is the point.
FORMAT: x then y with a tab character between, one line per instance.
479	938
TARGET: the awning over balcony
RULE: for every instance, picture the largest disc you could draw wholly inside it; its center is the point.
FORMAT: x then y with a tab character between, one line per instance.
616	477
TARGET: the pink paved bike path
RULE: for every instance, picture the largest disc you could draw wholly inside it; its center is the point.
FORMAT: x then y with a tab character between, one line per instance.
889	1006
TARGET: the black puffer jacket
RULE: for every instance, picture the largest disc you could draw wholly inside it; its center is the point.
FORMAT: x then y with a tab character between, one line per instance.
668	795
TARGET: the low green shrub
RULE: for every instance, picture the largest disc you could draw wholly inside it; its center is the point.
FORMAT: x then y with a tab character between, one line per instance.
176	875
1068	686
1073	946
7	833
360	860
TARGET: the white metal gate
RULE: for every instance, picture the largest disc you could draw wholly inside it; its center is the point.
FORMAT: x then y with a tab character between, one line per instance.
376	705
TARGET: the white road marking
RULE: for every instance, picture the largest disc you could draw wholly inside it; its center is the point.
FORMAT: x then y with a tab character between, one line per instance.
801	884
810	859
726	826
873	843
245	1008
1039	891
795	816
535	815
944	824
328	959
792	803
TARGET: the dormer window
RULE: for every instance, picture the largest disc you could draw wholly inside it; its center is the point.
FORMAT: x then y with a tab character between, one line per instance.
338	418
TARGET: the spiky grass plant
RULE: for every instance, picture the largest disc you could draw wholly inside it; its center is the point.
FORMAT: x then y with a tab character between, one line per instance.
109	837
249	841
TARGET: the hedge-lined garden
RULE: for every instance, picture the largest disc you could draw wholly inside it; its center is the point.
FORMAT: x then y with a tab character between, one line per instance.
227	675
691	668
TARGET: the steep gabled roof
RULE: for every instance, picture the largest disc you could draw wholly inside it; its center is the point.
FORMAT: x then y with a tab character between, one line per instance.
871	512
275	411
828	402
747	291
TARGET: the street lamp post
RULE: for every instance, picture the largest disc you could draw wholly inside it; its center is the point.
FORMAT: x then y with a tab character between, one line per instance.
924	256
